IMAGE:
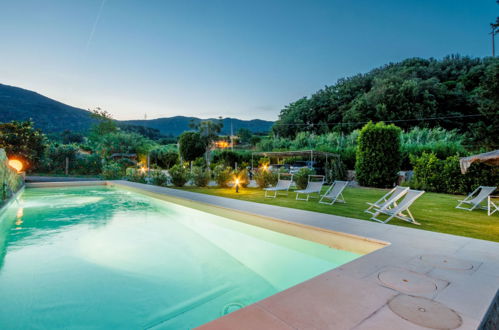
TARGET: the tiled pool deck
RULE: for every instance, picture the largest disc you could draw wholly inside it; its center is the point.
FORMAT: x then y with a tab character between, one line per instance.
454	279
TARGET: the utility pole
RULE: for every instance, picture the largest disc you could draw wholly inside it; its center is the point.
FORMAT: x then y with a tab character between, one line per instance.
493	35
231	136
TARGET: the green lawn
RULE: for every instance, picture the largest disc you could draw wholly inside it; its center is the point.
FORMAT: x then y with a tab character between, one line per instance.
435	212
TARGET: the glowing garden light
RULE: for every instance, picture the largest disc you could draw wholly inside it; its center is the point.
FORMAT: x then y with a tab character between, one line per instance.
16	164
236	183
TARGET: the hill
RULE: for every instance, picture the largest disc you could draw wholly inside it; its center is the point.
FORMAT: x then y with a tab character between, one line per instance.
49	115
52	116
176	125
454	93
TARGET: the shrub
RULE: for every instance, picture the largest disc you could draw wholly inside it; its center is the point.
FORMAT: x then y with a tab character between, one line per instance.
199	162
112	171
159	178
378	155
336	170
265	178
301	178
227	157
427	172
200	177
433	174
164	157
223	175
136	175
179	175
87	164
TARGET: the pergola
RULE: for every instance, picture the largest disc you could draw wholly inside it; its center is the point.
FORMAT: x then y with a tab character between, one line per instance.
313	154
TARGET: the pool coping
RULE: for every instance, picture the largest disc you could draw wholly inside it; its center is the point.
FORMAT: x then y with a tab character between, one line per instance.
352	296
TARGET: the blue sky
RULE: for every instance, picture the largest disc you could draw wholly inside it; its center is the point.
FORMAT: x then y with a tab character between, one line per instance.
230	58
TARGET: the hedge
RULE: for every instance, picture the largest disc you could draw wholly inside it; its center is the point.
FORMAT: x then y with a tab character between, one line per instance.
378	155
444	175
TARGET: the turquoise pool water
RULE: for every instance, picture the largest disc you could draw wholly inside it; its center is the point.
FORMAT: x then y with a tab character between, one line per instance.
98	257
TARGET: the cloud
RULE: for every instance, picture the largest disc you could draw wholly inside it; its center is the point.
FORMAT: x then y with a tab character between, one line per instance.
94	27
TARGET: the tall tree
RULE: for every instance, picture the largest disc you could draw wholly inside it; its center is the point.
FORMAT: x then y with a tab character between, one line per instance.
21	140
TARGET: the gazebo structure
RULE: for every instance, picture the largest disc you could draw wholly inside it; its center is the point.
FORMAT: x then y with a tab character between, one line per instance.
312	154
490	158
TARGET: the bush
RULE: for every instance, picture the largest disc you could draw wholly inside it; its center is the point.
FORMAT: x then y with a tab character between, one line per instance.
434	174
427	172
199	162
164	157
336	170
378	155
159	178
229	157
136	175
87	164
223	175
200	177
112	171
12	181
301	178
179	175
265	178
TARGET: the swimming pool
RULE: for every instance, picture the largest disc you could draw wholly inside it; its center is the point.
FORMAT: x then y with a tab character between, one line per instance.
103	257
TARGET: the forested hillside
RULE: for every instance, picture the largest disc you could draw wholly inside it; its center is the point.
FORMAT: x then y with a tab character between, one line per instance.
178	124
454	93
52	116
47	114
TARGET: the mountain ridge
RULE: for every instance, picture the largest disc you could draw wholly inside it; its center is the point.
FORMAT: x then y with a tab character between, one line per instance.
51	116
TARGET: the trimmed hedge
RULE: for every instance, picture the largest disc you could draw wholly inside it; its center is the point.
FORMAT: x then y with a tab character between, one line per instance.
444	175
378	155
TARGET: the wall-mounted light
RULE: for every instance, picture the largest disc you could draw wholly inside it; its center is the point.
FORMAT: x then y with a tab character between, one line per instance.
16	164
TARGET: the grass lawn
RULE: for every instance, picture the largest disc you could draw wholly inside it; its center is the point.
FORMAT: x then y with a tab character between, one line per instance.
435	212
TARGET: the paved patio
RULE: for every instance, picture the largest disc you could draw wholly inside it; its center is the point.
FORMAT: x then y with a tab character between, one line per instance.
419	280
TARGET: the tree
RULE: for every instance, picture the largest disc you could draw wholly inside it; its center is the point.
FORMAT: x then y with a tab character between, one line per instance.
191	146
378	155
164	157
244	135
72	137
123	142
208	131
22	140
105	124
450	93
486	132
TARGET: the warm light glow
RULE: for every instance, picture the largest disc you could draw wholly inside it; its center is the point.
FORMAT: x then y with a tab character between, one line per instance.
264	167
222	144
143	170
16	164
237	182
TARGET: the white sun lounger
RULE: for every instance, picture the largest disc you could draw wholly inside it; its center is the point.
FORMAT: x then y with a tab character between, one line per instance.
312	187
398	211
474	199
389	199
281	185
334	193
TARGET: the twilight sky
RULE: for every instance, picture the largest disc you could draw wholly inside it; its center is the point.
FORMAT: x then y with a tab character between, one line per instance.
229	58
